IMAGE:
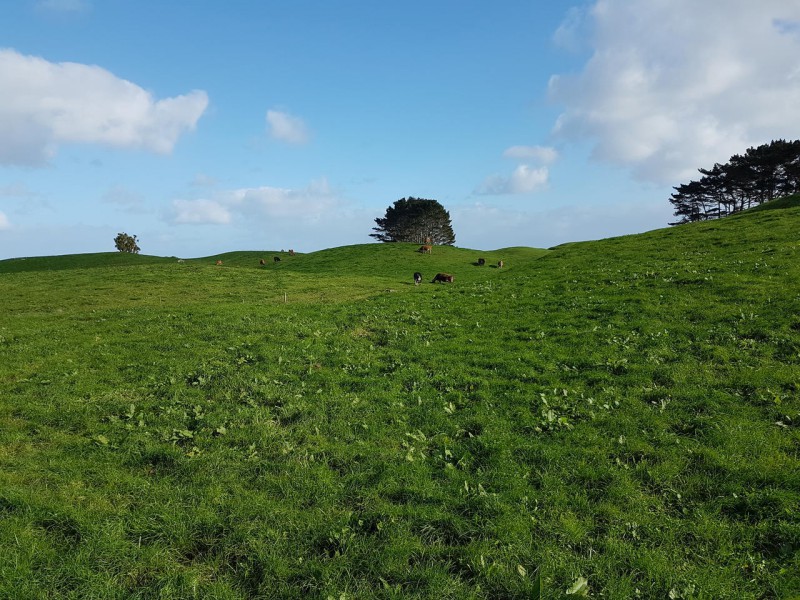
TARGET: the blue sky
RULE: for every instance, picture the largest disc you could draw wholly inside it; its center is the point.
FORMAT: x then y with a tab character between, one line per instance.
208	126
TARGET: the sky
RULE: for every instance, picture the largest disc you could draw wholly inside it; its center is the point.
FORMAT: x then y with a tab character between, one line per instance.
207	126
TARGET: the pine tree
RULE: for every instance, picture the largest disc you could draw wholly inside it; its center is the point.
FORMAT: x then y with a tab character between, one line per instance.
415	220
759	175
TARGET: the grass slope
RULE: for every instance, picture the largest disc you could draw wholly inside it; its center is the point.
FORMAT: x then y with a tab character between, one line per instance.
78	261
623	412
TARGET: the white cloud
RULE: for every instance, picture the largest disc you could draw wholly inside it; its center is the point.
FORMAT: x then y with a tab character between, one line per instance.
45	104
287	128
4	222
542	154
258	204
308	204
665	92
306	219
524	180
199	212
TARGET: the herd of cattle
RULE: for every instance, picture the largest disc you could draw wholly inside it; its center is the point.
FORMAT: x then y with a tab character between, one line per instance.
445	277
426	249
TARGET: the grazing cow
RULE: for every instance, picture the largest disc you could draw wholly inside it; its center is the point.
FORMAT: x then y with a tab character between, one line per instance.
443	277
276	259
500	264
261	262
291	252
426	249
481	262
417	278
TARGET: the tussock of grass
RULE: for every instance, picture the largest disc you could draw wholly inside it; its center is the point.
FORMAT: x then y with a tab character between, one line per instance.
624	411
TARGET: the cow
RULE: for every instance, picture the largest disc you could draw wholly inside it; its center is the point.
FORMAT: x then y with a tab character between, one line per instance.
426	249
444	278
219	263
417	278
481	262
261	262
500	264
180	260
291	252
276	259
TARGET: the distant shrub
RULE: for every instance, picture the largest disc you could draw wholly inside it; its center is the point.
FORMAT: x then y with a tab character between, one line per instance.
126	243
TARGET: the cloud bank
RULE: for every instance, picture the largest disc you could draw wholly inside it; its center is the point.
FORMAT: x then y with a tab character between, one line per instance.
674	85
200	212
313	203
304	218
46	104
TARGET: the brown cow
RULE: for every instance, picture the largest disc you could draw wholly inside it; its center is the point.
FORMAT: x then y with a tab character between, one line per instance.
291	252
500	264
219	263
261	262
444	278
426	249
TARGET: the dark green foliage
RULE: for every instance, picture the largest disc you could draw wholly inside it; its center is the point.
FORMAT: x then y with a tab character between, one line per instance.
126	243
621	414
415	220
760	175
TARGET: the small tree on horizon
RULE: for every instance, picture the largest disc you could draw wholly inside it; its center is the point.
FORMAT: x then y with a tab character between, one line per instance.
126	243
416	220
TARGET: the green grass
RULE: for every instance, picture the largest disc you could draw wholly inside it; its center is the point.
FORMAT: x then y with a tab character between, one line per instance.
626	411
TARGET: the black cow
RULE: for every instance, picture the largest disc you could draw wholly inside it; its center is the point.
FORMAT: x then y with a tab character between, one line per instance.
481	262
417	278
277	259
444	278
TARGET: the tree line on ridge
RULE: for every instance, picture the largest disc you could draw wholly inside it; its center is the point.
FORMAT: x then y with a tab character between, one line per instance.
759	175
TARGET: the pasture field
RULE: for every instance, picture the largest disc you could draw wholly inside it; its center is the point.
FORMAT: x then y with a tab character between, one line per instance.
610	419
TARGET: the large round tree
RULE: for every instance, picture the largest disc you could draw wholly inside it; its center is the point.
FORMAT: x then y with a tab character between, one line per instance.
127	243
415	220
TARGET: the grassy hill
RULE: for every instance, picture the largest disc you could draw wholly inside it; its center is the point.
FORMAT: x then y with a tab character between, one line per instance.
623	412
